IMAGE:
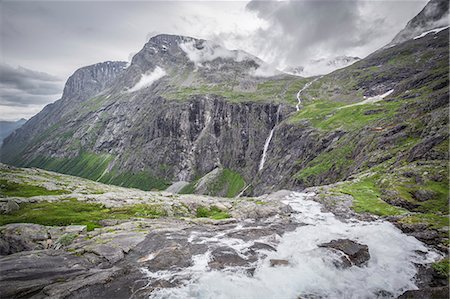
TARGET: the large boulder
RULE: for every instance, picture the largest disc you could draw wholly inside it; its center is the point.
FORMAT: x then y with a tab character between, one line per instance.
353	254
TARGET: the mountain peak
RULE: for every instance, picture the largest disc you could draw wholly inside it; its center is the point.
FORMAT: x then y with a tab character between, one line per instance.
433	15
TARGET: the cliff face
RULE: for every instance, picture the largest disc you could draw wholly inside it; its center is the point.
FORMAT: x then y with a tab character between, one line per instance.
433	15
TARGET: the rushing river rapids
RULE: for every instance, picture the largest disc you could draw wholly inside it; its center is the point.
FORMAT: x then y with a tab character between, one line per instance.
310	271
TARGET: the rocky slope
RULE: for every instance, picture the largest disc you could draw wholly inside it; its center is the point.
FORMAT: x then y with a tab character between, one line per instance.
433	15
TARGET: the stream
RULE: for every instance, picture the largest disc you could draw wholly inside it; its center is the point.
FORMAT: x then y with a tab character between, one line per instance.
310	271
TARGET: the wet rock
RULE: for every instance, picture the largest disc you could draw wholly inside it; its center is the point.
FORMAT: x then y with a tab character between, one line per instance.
252	233
426	293
261	246
277	263
424	195
171	257
354	254
223	257
11	207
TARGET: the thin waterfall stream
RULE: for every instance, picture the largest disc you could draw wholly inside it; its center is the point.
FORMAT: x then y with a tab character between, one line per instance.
267	143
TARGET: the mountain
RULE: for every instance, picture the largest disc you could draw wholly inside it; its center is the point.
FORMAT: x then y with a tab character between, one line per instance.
434	15
221	122
322	66
6	127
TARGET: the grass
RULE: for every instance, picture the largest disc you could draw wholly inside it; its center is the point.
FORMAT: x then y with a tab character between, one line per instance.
86	165
143	180
331	115
337	158
366	194
11	189
274	90
442	268
94	167
432	220
212	212
229	183
189	188
74	212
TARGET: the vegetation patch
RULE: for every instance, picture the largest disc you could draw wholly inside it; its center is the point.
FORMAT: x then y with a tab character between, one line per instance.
11	189
442	268
228	184
274	90
337	158
331	115
143	180
212	212
94	167
366	194
86	165
74	212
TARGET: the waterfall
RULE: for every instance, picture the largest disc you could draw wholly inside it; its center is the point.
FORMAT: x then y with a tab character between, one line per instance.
303	89
267	143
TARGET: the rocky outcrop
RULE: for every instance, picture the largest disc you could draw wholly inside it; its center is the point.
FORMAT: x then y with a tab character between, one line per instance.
354	254
433	15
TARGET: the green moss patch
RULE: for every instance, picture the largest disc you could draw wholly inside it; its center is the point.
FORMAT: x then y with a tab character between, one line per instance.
330	115
228	184
337	159
212	212
94	167
11	189
366	194
442	268
74	212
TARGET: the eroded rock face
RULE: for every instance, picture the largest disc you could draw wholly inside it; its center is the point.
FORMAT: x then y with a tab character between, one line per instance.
354	254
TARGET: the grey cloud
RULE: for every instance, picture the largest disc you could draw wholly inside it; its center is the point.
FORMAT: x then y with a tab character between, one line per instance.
21	86
303	30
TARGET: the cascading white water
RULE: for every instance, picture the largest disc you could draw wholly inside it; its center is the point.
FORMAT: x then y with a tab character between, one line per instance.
310	271
267	143
299	100
266	147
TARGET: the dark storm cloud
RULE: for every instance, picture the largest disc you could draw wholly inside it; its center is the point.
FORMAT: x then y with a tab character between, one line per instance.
21	86
303	30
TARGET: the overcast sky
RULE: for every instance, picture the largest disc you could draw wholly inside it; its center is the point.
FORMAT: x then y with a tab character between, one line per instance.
42	43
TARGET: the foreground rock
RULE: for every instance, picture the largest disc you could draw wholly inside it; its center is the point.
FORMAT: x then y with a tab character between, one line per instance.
354	254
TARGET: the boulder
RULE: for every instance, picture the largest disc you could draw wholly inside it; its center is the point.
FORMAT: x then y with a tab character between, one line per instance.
353	253
11	207
426	293
277	262
223	257
424	195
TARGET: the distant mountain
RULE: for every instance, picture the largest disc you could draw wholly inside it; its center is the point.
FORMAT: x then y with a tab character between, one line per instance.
433	15
322	66
7	127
